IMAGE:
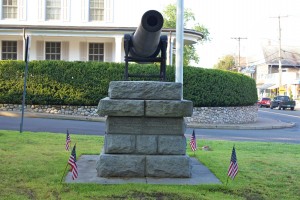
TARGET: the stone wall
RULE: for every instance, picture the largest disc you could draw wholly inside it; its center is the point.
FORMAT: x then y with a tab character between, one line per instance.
90	111
204	115
224	115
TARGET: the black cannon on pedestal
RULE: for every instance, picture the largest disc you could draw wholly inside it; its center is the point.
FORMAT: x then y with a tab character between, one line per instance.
146	44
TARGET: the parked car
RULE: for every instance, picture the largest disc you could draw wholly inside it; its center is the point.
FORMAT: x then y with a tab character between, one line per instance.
264	102
283	102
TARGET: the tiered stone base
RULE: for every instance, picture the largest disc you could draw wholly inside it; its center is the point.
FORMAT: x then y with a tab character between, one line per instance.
145	130
128	165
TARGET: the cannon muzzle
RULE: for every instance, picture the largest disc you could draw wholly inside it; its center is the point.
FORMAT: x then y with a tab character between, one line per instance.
146	45
146	38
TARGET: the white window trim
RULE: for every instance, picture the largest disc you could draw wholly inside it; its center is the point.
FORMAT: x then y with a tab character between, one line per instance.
60	56
1	41
88	48
108	11
65	11
61	12
1	11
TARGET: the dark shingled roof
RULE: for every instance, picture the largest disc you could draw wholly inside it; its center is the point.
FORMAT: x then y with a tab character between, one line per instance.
290	56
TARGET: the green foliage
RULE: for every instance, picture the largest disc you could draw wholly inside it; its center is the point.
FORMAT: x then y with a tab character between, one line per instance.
212	88
189	54
226	63
170	16
32	165
85	83
189	17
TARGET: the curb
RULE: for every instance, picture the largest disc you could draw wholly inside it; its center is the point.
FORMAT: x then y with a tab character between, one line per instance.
261	124
52	116
252	126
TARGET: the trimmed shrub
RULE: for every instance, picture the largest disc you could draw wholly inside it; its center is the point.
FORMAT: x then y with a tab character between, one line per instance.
85	83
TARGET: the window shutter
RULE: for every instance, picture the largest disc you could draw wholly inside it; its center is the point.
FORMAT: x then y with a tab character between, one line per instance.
22	9
41	10
40	49
65	10
83	51
85	10
108	52
20	50
108	10
65	51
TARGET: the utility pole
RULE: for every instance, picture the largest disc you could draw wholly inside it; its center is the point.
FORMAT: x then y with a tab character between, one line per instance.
279	50
239	40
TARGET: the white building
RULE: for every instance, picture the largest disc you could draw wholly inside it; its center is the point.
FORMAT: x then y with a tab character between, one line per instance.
265	70
71	30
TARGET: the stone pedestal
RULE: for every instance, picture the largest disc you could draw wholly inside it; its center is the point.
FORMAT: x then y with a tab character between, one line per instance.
144	130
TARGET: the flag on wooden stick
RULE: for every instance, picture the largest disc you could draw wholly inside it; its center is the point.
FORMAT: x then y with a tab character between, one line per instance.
193	142
72	162
233	167
68	141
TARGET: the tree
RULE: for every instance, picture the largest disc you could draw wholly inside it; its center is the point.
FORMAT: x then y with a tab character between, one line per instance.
226	63
189	52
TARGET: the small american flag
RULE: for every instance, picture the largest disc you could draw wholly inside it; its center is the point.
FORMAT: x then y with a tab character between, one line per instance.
193	142
72	163
68	141
233	167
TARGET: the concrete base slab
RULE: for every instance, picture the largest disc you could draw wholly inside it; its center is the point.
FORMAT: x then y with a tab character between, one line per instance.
87	173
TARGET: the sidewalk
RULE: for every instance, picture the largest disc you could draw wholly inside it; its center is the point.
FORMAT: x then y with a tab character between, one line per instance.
261	123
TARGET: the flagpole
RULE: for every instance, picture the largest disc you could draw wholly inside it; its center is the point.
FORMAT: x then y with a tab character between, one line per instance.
64	172
230	162
70	138
227	180
65	169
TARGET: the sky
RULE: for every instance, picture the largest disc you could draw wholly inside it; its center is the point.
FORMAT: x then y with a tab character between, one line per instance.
256	20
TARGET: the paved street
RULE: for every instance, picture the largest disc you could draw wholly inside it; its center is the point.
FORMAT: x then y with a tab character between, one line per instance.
267	117
53	125
285	135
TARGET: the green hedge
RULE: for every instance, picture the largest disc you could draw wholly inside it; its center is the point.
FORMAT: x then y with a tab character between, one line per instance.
85	83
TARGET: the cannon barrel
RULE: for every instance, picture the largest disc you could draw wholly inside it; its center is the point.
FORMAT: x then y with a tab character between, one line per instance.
146	38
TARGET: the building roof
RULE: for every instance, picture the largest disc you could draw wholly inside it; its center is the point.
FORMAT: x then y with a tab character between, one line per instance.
290	56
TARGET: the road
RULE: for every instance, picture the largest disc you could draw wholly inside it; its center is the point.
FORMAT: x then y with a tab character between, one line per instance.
286	135
53	125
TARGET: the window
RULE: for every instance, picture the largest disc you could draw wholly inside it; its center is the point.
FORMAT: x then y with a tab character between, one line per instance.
96	51
9	50
96	10
9	9
53	9
53	51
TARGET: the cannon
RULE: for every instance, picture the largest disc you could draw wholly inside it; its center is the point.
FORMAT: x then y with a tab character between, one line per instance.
147	45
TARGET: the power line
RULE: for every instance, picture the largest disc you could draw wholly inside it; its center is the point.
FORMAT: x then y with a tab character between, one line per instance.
263	59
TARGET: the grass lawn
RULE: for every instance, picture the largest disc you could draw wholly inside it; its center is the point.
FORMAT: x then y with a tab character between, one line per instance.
32	164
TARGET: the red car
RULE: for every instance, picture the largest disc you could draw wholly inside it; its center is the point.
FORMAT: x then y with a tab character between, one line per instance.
264	102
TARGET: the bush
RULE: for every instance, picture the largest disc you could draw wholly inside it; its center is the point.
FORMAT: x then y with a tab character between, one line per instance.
212	88
85	83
